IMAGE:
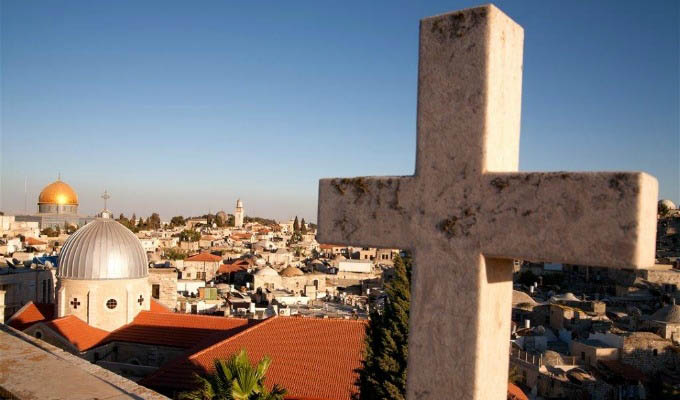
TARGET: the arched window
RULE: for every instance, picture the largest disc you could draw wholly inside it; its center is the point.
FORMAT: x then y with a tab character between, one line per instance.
111	304
38	334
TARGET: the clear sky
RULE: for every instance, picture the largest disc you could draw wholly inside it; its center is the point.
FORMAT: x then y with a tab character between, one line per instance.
182	107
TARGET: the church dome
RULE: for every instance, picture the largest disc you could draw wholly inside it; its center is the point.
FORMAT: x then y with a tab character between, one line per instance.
102	249
292	271
267	271
58	192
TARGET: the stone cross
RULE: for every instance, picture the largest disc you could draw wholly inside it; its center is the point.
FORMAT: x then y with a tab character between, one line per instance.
467	212
75	303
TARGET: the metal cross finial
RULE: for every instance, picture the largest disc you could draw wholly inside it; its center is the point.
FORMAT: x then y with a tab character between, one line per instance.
140	300
105	196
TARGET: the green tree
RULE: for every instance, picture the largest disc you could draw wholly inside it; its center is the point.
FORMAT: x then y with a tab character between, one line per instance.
296	225
133	220
235	379
175	253
189	236
177	221
383	371
154	221
303	227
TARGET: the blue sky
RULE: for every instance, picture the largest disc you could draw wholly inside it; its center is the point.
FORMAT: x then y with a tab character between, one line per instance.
182	107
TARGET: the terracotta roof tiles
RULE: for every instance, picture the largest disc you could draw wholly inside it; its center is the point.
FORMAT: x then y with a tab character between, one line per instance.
311	358
175	330
31	313
205	257
76	331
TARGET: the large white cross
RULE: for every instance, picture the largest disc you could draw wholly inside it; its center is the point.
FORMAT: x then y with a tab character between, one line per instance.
467	211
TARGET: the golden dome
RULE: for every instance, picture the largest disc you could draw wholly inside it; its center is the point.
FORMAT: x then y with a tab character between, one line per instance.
58	192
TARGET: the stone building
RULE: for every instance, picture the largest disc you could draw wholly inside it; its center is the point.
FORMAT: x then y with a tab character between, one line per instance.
666	322
649	352
19	286
201	266
163	283
103	275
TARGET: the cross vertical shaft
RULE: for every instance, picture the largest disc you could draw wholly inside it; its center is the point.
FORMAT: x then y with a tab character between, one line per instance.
467	211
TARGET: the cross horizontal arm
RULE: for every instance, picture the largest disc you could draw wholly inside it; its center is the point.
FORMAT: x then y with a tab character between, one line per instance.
366	211
599	218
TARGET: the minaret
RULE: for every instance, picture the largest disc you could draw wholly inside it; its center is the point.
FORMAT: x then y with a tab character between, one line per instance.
238	214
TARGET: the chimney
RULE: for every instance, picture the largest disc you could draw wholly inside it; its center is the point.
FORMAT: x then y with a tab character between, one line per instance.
275	307
527	323
252	308
531	289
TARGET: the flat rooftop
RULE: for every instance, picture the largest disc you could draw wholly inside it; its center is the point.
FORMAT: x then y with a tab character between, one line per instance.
32	369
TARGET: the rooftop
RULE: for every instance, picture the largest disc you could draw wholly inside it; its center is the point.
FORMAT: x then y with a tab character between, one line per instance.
69	376
206	257
31	313
311	358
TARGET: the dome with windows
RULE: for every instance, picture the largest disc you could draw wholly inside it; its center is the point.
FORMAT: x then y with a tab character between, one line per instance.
102	249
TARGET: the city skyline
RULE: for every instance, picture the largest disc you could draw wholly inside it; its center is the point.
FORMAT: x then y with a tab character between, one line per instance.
183	118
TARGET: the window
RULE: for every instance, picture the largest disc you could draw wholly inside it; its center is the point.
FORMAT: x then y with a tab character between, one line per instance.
111	304
156	291
655	352
38	334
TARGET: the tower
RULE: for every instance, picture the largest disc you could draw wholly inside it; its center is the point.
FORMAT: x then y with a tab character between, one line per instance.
238	214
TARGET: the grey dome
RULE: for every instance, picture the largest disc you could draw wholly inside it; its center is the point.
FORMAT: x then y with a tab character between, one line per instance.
102	249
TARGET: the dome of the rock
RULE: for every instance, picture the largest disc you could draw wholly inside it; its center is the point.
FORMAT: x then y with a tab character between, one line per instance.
102	249
58	192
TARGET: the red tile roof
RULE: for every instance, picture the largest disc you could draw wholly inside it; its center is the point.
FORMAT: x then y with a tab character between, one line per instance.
34	242
234	267
330	246
311	358
158	307
205	257
76	331
31	313
515	393
175	330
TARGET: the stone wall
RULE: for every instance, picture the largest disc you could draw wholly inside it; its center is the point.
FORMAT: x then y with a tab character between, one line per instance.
649	352
166	278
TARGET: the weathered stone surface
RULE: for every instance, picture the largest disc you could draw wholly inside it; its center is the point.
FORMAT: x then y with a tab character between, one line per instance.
466	212
32	369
